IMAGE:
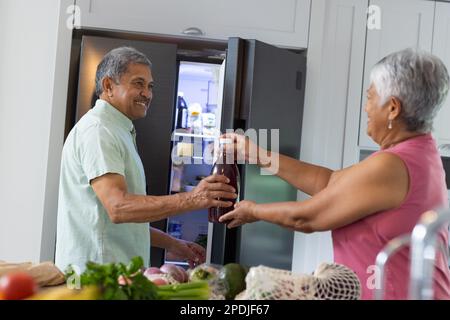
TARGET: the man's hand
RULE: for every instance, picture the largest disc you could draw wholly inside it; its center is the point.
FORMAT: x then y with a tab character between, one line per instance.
210	189
193	253
244	212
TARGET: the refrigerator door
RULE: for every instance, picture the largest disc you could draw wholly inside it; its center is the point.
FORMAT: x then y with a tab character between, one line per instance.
264	89
222	247
153	131
211	228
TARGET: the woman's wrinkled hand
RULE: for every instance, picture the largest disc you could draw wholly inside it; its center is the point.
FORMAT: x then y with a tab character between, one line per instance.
244	212
243	148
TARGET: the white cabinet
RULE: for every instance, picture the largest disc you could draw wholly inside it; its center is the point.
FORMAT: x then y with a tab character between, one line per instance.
334	80
404	23
283	23
441	48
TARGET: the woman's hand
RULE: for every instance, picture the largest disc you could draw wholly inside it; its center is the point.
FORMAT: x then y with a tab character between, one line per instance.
244	212
193	253
244	149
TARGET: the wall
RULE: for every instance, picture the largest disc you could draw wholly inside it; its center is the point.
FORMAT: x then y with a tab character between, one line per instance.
335	64
34	43
311	249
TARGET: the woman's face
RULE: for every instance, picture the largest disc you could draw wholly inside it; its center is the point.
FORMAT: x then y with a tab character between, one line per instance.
377	116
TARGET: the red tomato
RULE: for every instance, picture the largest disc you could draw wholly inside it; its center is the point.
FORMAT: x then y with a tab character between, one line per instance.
16	286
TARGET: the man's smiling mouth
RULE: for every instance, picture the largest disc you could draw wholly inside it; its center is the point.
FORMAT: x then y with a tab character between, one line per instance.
142	103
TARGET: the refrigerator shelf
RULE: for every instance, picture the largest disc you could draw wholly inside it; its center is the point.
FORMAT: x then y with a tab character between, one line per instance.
192	135
180	263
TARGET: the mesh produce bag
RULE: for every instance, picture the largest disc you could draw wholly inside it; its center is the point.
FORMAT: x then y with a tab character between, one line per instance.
329	282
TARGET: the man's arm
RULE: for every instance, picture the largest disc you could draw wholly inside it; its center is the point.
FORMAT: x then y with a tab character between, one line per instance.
193	253
161	239
124	207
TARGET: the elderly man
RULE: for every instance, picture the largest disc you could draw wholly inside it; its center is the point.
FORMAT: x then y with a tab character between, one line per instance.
104	211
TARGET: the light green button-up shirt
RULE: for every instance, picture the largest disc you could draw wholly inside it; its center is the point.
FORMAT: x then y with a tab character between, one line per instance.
101	142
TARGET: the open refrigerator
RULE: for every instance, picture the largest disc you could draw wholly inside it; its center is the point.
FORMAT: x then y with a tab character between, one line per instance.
195	136
235	84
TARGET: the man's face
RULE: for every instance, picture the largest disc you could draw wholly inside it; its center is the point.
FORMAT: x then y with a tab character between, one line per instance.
134	92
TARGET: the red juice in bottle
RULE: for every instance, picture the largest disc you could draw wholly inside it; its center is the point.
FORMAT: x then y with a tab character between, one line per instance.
230	170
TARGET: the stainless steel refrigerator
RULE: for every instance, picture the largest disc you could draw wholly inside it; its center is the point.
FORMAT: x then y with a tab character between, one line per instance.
241	84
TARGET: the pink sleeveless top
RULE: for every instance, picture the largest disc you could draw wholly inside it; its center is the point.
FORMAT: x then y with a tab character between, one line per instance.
357	245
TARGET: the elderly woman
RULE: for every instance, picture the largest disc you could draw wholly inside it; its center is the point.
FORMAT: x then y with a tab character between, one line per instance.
382	197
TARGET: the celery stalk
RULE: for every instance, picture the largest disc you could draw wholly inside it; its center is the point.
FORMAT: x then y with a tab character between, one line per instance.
188	291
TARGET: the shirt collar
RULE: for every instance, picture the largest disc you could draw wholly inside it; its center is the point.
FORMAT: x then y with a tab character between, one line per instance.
114	115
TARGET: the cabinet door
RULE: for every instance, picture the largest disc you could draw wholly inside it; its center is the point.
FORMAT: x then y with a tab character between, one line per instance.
404	23
441	48
283	23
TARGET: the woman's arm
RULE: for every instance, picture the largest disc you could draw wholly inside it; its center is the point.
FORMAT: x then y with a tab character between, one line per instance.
306	177
376	184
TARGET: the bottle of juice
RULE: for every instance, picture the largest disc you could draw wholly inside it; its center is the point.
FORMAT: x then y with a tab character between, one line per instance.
182	112
230	170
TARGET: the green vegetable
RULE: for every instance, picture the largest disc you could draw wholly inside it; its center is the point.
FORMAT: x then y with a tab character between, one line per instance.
106	277
135	285
191	291
203	272
233	275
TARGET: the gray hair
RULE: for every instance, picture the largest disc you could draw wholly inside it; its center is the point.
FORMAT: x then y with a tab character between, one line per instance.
115	63
418	79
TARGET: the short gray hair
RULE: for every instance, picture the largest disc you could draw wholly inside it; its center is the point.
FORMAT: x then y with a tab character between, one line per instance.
115	63
418	79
